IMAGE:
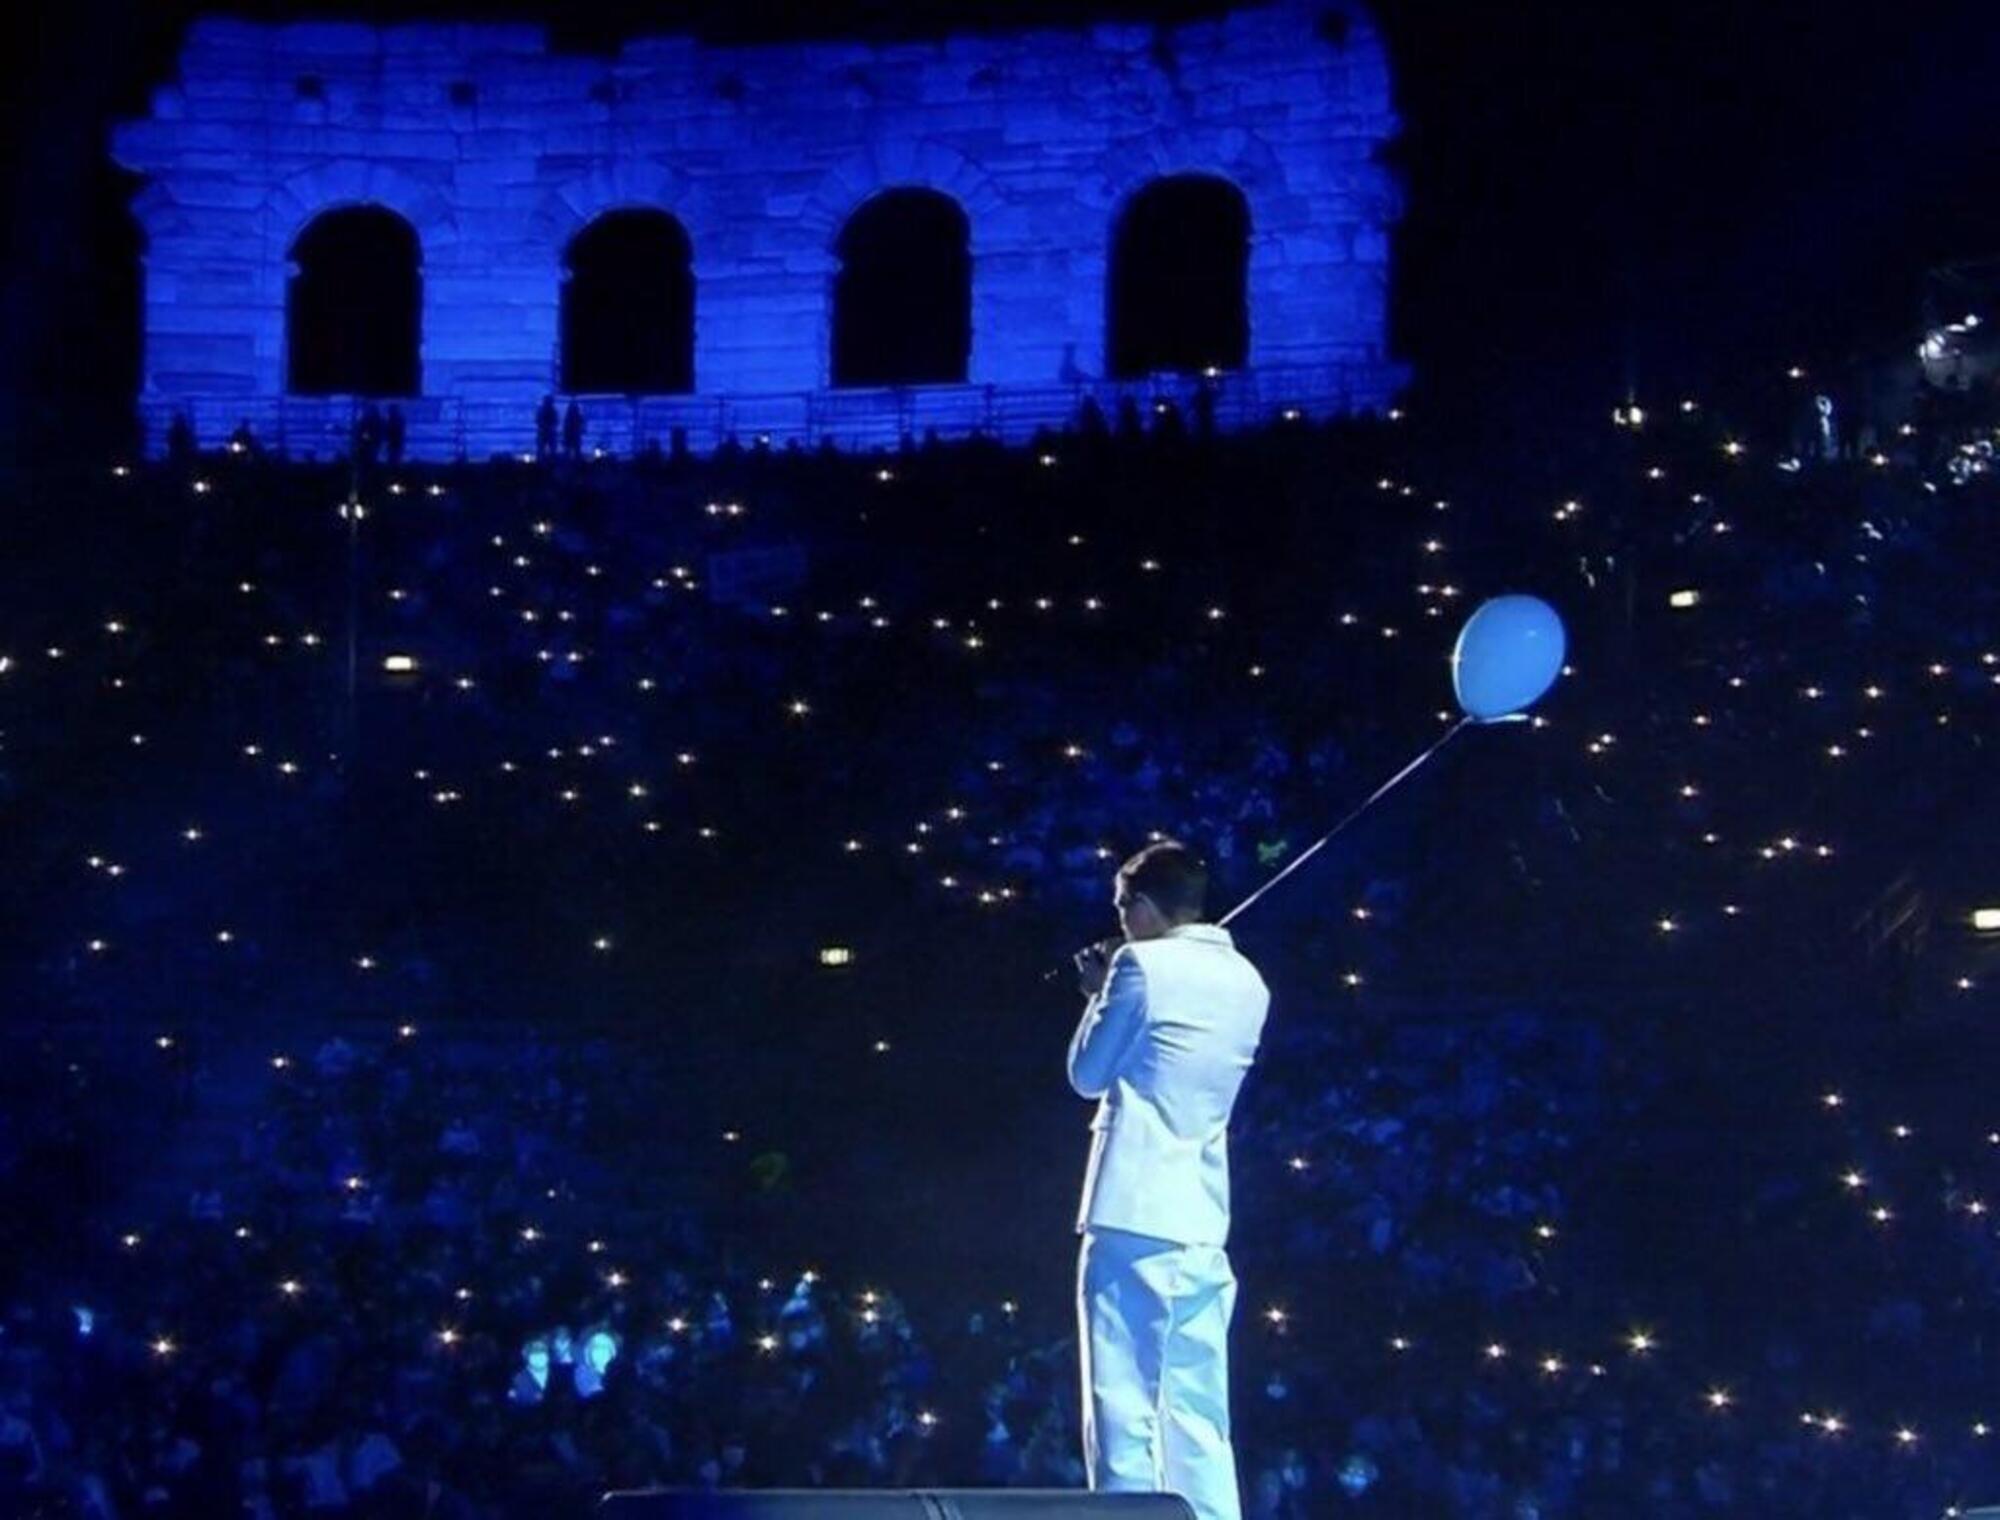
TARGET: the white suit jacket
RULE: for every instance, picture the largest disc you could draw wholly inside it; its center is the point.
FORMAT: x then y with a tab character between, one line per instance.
1164	1049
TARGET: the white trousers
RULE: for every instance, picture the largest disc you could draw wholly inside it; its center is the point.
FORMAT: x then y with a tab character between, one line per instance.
1153	1341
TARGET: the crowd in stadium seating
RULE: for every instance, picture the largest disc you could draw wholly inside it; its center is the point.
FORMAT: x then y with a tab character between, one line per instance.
1538	1222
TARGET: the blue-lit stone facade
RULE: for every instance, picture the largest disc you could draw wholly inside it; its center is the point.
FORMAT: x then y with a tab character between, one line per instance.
497	150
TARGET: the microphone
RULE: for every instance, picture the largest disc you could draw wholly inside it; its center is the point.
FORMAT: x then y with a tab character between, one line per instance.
1103	947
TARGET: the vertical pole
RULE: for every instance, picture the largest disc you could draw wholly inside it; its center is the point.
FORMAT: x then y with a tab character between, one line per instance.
353	516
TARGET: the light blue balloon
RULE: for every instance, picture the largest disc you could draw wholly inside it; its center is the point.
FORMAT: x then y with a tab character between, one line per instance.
1509	652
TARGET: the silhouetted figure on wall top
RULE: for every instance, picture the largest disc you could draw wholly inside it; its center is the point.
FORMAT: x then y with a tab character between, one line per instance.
244	439
1810	425
368	436
545	428
180	439
395	431
572	431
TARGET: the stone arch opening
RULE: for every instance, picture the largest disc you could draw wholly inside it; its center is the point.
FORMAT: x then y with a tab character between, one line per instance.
627	317
353	306
1180	262
902	299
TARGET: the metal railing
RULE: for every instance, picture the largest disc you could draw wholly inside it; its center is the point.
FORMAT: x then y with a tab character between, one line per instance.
442	428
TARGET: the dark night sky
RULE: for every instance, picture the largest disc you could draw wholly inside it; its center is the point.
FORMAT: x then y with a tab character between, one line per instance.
1598	194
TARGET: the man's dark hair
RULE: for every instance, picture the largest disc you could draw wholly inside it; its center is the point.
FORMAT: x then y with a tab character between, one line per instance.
1172	875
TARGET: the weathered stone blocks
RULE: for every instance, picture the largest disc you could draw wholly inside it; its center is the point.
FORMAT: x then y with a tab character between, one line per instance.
498	151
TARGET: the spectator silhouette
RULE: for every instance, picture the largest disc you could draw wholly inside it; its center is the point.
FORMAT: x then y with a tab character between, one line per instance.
368	436
1204	410
395	430
545	429
180	439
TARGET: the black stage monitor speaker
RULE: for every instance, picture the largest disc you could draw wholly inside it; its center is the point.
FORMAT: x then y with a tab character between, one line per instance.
889	1504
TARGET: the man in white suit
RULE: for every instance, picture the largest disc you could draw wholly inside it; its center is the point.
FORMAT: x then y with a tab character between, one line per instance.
1170	1031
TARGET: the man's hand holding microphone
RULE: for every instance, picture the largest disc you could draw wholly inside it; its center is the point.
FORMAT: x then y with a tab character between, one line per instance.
1093	964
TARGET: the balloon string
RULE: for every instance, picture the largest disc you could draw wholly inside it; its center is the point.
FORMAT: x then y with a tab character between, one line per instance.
1327	838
